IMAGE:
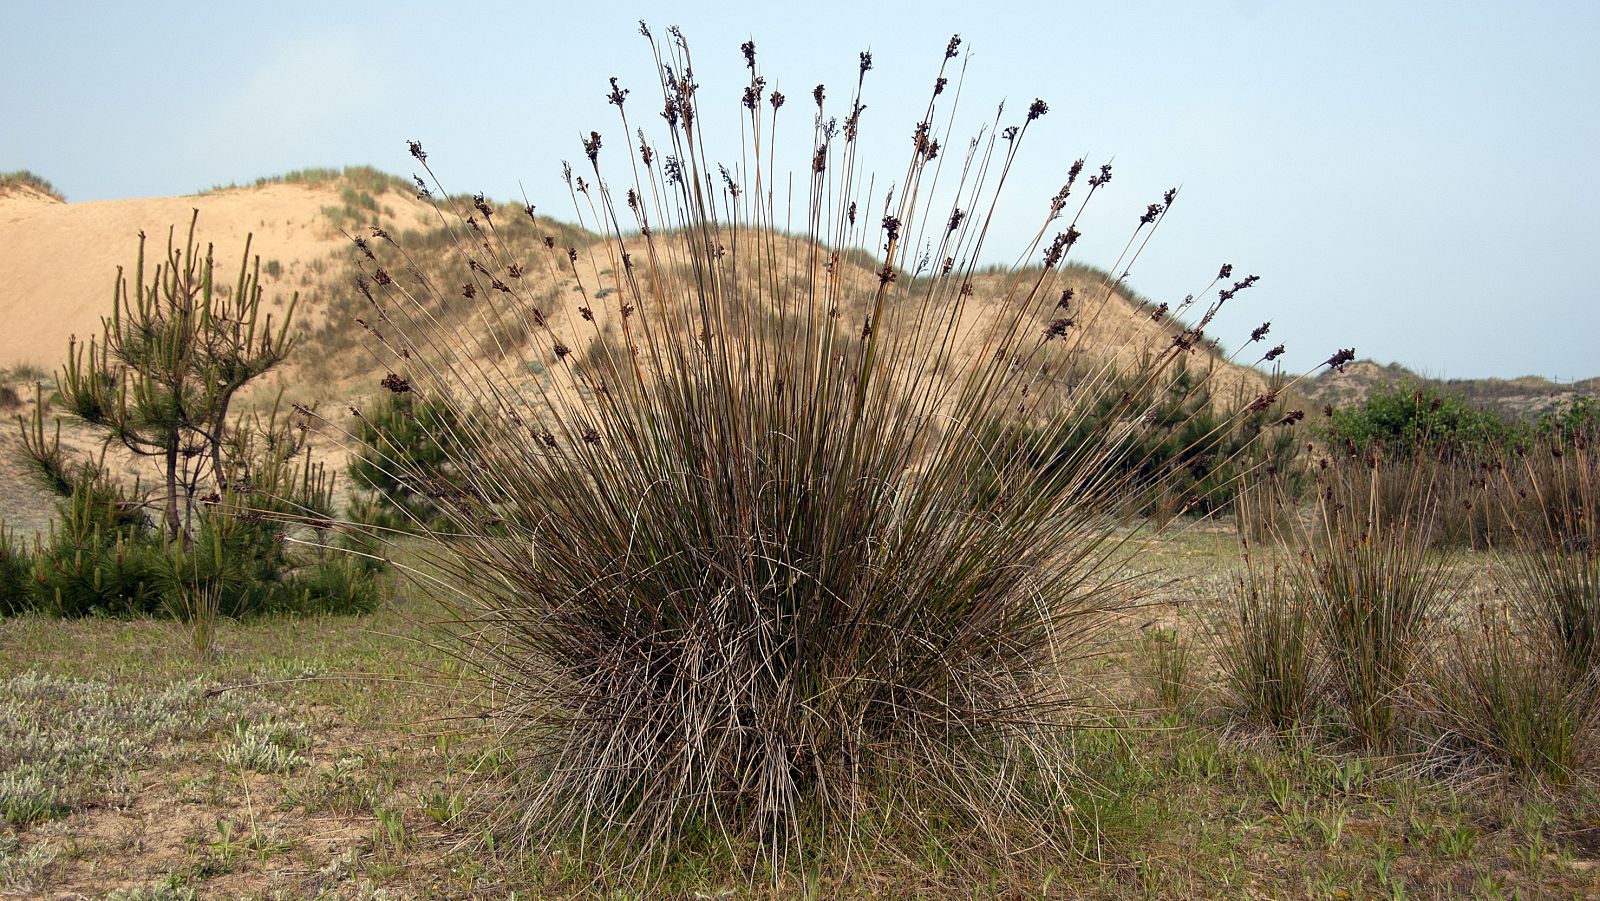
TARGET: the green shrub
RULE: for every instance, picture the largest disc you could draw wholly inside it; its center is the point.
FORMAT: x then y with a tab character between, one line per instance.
16	570
1406	420
338	584
407	458
161	380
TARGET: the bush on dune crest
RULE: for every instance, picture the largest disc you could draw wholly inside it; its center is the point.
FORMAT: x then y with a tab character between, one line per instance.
723	568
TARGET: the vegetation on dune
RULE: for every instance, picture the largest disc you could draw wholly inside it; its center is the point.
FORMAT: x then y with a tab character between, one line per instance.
22	178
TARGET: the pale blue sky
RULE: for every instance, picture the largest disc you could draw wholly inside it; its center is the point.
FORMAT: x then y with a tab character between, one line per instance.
1417	180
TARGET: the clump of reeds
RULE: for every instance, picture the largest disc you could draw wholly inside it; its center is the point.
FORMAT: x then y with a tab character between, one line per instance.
1556	567
723	566
1502	696
1377	586
1266	648
1340	608
1527	693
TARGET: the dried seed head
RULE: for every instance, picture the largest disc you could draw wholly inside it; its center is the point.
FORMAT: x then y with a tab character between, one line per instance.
752	93
396	384
1262	402
891	226
617	95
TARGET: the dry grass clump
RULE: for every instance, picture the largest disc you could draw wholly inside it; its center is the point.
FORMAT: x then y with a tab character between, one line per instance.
1266	649
1528	693
1377	588
1361	594
1500	695
718	558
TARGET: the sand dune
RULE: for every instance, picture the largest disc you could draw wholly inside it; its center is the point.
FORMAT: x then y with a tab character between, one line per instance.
58	261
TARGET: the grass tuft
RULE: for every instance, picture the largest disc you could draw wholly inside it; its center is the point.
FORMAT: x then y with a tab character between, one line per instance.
722	546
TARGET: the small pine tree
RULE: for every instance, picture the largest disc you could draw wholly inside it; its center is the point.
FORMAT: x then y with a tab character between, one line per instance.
204	536
162	378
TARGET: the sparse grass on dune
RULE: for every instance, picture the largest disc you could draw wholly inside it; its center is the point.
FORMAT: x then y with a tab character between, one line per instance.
22	179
